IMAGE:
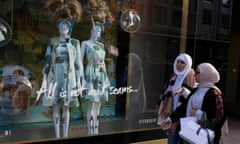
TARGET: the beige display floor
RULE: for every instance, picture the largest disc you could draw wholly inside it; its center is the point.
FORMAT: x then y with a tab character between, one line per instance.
161	141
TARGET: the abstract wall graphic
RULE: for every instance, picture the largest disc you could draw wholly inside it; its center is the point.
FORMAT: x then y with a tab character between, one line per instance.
5	32
17	89
130	21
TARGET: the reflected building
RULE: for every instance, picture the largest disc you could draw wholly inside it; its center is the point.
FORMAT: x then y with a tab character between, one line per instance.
201	28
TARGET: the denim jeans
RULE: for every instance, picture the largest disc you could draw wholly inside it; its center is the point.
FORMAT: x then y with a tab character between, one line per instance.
175	138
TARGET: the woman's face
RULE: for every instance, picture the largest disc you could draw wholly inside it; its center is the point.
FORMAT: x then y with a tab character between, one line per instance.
197	75
180	65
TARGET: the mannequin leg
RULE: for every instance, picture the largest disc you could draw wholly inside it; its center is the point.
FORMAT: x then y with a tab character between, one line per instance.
90	118
65	117
56	119
96	117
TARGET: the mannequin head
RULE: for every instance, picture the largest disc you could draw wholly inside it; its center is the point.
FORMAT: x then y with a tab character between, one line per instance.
96	31
63	27
63	12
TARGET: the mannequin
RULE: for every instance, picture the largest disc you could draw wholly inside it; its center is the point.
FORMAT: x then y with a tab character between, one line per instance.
61	76
63	70
95	76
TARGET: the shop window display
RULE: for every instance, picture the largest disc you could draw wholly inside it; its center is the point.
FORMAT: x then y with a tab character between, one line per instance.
30	32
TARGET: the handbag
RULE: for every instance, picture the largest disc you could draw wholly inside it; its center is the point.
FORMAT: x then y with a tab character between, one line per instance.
166	103
165	110
197	133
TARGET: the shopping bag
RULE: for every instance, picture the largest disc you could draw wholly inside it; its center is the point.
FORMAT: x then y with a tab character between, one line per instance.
185	120
194	133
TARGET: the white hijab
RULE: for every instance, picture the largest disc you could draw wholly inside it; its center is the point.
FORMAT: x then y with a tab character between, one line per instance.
209	76
181	74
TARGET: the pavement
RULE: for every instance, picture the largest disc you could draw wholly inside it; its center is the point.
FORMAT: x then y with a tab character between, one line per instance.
233	136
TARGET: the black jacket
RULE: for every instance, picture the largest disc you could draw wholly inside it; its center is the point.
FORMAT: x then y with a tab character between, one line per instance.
208	106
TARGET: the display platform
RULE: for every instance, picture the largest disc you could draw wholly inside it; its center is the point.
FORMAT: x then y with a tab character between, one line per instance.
121	137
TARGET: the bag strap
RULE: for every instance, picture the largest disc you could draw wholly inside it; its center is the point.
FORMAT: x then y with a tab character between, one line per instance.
203	125
167	87
208	136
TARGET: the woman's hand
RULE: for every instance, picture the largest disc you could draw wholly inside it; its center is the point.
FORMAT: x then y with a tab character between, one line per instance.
166	123
179	90
193	112
172	129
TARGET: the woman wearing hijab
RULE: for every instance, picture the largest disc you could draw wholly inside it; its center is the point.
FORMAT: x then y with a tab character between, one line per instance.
169	99
203	99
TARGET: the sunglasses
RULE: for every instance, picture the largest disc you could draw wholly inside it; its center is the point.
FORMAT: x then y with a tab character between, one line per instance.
180	61
197	72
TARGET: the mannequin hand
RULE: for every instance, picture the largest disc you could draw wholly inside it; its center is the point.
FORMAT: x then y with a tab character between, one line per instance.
75	92
105	87
92	92
81	88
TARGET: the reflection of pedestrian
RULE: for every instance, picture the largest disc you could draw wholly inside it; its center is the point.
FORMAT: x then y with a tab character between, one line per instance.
138	100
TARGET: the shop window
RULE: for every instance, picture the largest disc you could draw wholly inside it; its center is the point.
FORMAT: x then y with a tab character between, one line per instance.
226	3
208	1
177	18
207	17
225	20
177	3
160	15
162	1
